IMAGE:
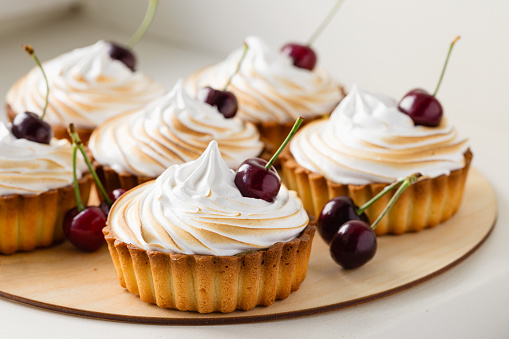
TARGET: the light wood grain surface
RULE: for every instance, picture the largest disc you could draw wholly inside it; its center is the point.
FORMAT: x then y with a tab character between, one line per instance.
65	280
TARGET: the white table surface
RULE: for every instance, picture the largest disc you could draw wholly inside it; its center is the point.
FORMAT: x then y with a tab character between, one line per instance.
468	301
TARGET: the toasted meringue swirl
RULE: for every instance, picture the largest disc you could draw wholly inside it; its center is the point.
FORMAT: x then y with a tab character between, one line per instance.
173	129
269	87
367	139
195	208
87	87
27	167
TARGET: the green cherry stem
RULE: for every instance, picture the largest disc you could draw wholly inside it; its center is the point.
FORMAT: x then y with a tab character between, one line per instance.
145	24
406	183
31	52
287	140
387	189
445	64
77	141
79	202
244	52
325	22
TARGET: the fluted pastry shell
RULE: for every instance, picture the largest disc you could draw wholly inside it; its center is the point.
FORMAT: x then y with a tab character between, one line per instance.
35	220
112	180
206	283
426	203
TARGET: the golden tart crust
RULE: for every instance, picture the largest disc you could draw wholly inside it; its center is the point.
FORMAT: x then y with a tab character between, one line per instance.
206	283
424	204
35	220
113	180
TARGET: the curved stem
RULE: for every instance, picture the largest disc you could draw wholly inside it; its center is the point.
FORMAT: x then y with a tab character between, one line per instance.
31	52
445	65
145	24
76	140
246	47
287	140
406	183
325	22
79	202
386	189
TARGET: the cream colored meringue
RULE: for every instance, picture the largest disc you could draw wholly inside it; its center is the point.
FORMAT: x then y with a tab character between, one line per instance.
87	87
27	167
367	139
269	87
173	129
195	208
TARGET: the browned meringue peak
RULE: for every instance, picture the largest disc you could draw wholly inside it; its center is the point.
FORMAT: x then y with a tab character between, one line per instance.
367	139
195	208
28	167
87	88
269	87
173	129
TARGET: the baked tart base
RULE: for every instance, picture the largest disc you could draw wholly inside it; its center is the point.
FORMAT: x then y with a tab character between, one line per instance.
35	220
426	203
205	283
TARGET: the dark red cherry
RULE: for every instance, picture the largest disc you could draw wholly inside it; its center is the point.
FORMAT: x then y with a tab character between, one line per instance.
254	181
68	217
114	195
123	54
85	229
225	101
104	207
303	56
422	107
257	178
28	125
353	245
335	213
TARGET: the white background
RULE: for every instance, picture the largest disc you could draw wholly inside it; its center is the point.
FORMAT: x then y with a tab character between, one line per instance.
386	46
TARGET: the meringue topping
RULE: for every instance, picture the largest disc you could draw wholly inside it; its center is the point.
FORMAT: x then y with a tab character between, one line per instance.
367	139
87	87
28	167
269	87
173	129
195	208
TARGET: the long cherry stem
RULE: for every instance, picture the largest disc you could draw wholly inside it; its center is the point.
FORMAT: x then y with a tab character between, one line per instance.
145	24
76	140
325	22
29	49
287	140
383	192
406	183
79	202
246	47
445	64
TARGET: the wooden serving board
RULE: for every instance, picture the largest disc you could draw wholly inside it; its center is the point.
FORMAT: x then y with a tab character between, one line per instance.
65	280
